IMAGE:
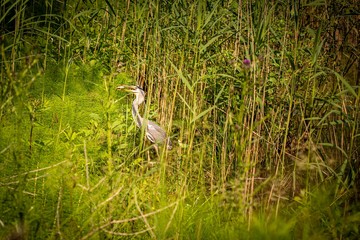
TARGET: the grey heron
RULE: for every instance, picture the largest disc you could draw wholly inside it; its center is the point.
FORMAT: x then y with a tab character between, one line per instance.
152	130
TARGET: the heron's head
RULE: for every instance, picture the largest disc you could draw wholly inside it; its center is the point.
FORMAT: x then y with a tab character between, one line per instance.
134	89
139	93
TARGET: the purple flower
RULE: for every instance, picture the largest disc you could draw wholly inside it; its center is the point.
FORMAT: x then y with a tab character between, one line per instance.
247	63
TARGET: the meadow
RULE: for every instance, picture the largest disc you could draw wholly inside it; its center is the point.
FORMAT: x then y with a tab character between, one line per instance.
260	100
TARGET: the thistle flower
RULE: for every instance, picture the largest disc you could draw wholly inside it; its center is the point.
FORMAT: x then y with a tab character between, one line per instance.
247	63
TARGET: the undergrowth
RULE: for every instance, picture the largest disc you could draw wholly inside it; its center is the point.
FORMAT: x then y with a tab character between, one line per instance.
260	100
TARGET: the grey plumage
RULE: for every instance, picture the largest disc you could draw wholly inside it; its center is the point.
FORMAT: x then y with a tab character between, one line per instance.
153	131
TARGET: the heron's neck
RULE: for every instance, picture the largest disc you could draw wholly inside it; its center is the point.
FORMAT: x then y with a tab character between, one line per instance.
136	115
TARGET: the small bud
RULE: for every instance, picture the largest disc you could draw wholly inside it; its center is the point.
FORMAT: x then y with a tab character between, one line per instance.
247	63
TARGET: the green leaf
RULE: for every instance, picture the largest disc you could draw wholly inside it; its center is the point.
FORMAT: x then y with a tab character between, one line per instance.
211	41
346	84
182	77
185	102
111	8
219	94
337	112
202	114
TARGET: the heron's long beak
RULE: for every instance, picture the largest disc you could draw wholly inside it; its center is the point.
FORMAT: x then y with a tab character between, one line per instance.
125	87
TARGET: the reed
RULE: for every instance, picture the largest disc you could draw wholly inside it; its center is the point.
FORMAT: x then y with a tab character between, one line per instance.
260	98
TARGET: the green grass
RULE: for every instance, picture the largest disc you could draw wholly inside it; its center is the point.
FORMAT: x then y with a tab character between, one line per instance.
265	151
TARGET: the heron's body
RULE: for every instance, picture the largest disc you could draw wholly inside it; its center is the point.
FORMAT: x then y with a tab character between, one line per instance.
152	130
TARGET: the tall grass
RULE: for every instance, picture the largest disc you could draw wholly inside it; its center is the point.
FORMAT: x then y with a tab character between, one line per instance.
266	148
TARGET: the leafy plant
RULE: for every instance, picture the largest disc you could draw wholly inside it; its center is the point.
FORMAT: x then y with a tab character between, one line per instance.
261	101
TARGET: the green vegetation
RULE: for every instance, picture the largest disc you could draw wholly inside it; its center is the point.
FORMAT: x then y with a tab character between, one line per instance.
263	148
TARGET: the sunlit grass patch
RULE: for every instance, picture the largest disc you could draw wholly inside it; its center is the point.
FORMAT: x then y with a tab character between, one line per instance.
260	100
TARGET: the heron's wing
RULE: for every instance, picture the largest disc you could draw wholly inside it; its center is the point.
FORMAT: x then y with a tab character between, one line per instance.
158	134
